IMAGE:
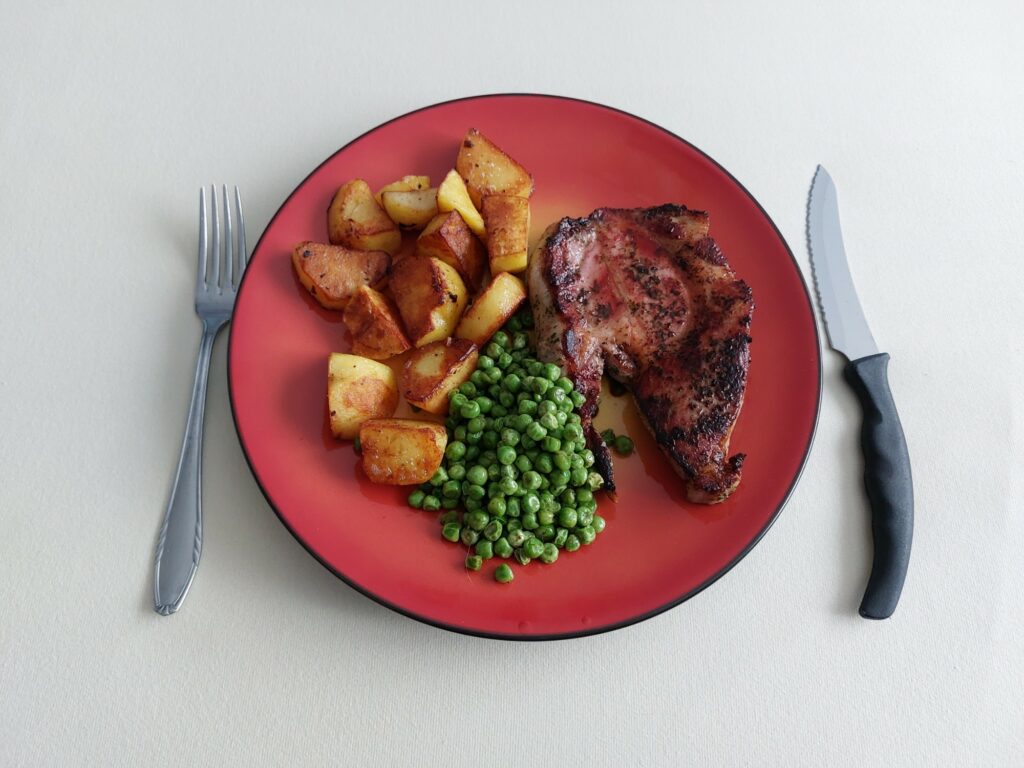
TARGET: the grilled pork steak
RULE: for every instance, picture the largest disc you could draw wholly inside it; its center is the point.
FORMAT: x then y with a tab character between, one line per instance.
646	296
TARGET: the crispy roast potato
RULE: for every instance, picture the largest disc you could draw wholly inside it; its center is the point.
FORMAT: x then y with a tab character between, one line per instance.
372	319
491	309
333	273
358	389
453	196
508	232
430	297
355	219
411	209
489	171
402	451
448	238
433	371
404	184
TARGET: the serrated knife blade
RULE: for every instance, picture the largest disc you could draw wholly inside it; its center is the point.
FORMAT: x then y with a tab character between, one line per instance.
845	325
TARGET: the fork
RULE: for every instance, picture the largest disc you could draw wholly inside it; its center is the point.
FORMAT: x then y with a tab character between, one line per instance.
181	535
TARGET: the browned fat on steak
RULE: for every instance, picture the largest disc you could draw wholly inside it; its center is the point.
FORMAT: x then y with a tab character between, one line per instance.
645	296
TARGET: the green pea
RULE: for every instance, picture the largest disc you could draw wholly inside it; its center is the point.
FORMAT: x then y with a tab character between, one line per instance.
523	463
548	502
586	534
608	436
479	378
539	385
476	424
459	433
502	548
595	481
440	477
496	506
546	408
577	399
557	396
520	341
529	520
552	372
477	475
533	547
531	480
572	542
545	533
493	350
494	472
451	531
578	476
572	418
416	499
623	445
549	554
493	530
468	388
559	478
504	361
584	516
544	464
567	517
507	471
448	517
567	497
506	400
561	460
501	339
487	458
474	562
470	410
535	367
506	454
549	421
476	520
561	534
527	407
530	502
503	574
485	549
551	444
456	400
474	491
489	440
546	517
431	502
457	471
513	507
572	431
471	504
598	524
512	382
473	453
584	495
469	537
494	375
521	557
517	537
452	489
509	437
536	431
473	440
588	458
509	486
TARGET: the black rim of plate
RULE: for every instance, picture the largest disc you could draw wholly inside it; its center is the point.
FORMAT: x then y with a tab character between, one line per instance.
595	630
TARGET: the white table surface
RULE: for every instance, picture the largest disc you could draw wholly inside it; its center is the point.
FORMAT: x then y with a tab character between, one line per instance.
110	120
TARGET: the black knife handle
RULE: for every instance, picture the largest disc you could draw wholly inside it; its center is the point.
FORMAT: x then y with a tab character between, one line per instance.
888	483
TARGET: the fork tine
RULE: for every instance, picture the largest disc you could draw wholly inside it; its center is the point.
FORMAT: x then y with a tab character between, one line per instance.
203	240
229	245
216	238
243	253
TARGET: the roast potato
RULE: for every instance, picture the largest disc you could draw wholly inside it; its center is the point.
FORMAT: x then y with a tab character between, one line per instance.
333	274
355	219
372	319
508	232
491	309
402	451
453	196
448	238
411	209
433	371
404	184
358	389
489	171
430	297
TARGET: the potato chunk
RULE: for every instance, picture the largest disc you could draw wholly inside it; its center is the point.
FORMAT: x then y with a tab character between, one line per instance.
411	209
492	308
487	170
508	232
372	319
358	389
356	220
404	184
402	451
453	196
431	372
430	297
333	274
448	238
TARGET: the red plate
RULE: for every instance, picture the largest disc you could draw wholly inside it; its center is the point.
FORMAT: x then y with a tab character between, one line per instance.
657	550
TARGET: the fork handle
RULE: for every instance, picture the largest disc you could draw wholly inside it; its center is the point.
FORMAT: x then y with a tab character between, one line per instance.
181	535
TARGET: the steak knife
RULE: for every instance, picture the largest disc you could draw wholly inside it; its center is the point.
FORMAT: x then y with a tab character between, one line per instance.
887	479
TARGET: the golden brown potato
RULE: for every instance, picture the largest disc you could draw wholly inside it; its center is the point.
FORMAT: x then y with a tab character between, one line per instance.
430	296
358	389
452	195
333	274
448	238
487	170
355	219
491	309
372	319
404	184
402	451
433	371
411	209
508	232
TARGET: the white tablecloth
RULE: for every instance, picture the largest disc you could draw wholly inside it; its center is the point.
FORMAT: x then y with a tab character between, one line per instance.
111	115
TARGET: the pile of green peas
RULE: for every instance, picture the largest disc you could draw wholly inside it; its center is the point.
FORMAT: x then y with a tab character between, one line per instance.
516	481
